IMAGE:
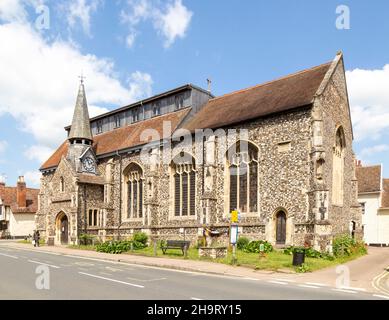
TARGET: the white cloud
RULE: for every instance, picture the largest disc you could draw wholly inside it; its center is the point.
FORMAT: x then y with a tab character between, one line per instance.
32	178
3	145
130	40
369	100
174	22
38	152
38	83
372	151
12	10
80	11
171	21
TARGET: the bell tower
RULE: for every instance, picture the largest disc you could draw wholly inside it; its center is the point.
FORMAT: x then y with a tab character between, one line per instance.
80	153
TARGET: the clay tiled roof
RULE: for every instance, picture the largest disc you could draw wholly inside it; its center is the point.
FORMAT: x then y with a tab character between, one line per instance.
90	179
8	196
369	179
125	137
385	194
280	95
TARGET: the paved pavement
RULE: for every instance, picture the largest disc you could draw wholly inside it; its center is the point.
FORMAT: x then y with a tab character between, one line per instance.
79	274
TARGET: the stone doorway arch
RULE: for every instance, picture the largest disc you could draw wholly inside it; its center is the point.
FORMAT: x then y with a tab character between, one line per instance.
281	227
62	229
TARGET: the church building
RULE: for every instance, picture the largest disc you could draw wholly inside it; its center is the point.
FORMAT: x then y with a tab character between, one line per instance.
177	164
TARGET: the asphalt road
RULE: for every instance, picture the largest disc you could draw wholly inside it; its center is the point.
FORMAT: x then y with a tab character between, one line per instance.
28	274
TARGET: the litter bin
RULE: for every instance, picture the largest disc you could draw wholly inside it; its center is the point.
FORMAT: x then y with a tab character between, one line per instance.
298	257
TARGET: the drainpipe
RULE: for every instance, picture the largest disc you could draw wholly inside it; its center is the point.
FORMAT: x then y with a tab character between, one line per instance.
203	182
120	192
85	217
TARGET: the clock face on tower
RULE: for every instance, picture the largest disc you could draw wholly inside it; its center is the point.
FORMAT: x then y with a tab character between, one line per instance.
88	164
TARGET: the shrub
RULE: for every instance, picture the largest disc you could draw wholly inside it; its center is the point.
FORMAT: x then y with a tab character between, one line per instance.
114	246
303	268
86	239
343	245
141	237
254	246
309	252
242	243
139	240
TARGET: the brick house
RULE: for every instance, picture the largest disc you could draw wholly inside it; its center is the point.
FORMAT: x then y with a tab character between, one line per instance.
18	206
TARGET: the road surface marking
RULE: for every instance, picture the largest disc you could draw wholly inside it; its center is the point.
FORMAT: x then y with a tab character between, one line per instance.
308	286
106	274
376	283
9	256
84	264
252	279
286	280
142	280
344	290
380	296
316	284
193	298
112	280
352	288
113	269
277	282
44	264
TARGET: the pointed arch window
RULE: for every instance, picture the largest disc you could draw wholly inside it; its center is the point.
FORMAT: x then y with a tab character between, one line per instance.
184	182
338	156
134	187
243	177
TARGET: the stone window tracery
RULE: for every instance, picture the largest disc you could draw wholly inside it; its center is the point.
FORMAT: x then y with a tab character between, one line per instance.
243	177
135	185
184	181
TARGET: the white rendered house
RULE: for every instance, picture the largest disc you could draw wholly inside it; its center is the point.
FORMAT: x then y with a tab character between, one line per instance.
373	195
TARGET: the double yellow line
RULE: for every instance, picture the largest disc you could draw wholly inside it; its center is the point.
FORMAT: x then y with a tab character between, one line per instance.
377	282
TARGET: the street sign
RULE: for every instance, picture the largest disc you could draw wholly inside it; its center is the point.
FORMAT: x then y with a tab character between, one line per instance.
234	234
234	216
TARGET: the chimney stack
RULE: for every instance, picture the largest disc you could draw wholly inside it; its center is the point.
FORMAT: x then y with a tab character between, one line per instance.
2	184
21	192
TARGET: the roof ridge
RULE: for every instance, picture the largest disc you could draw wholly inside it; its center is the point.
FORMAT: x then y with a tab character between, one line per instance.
370	166
138	122
271	81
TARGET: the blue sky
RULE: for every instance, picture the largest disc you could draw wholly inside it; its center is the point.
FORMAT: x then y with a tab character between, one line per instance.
131	49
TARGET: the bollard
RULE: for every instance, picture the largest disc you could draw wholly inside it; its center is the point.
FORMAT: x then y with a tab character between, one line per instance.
186	252
132	247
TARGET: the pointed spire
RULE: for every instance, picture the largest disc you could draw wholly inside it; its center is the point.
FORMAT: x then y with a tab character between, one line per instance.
80	128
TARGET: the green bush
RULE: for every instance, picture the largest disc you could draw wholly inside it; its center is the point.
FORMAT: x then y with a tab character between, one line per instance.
309	252
86	239
242	243
343	245
303	268
115	247
141	237
254	246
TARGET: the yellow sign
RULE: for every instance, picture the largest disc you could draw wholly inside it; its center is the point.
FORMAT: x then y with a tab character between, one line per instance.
234	216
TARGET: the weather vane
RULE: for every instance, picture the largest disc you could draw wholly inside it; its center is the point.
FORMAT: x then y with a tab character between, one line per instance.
81	77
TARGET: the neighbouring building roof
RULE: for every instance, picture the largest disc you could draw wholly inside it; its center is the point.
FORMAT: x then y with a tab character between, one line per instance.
293	91
9	198
369	178
125	137
385	194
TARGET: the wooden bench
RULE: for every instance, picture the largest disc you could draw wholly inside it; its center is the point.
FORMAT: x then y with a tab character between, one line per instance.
175	244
